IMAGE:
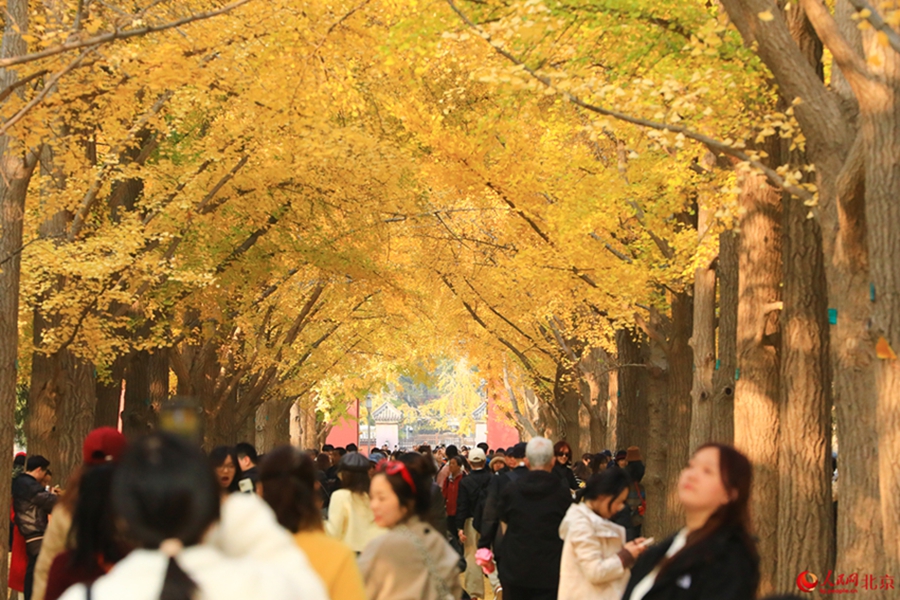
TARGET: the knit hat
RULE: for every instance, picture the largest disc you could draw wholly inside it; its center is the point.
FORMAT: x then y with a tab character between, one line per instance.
518	451
104	444
633	454
355	462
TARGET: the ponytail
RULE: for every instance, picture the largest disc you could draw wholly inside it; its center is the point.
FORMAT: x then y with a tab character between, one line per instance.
177	585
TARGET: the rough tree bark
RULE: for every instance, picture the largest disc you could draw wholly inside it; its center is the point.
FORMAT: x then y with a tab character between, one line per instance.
805	511
632	411
680	361
722	404
757	388
703	343
17	165
273	424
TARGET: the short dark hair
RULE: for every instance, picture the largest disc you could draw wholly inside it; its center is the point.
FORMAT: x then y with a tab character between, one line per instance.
341	451
246	449
610	482
483	446
289	484
164	488
327	448
352	448
452	451
36	461
458	460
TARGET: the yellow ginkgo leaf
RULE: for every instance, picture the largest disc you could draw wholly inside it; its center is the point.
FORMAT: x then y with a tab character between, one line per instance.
766	16
884	351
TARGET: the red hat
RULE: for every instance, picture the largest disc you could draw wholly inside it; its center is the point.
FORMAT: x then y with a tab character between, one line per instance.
102	445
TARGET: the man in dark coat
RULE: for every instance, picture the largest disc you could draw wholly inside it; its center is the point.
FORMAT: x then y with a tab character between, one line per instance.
32	504
491	535
531	510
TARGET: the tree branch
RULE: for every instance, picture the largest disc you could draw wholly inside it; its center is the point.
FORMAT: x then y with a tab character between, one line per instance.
711	143
877	21
111	36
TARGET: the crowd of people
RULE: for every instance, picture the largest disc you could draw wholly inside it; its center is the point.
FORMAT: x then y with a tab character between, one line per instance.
158	519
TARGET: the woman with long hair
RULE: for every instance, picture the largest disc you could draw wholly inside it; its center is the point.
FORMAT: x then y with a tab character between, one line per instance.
561	466
714	557
224	462
350	518
94	545
596	559
190	543
413	560
287	482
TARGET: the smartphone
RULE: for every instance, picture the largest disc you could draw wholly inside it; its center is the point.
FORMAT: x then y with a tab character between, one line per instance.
246	486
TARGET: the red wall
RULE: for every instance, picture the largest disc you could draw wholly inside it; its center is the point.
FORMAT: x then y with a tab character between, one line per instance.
500	433
346	431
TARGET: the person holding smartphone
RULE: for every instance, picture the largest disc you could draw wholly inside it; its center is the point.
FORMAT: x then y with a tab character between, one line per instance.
596	558
714	556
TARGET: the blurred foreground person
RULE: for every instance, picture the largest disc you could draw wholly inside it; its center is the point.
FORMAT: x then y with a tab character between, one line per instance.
168	503
102	446
287	479
412	561
93	544
596	560
714	557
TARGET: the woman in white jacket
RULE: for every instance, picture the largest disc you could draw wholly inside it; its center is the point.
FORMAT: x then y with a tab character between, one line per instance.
596	560
188	546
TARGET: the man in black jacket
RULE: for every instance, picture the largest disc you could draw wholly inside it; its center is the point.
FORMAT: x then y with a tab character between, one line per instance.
473	491
32	504
531	510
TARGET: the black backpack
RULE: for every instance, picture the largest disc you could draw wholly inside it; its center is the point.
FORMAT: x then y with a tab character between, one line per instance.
481	494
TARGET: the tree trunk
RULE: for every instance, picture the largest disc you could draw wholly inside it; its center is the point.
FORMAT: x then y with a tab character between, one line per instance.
805	512
880	111
703	343
109	396
146	387
756	398
594	367
567	400
16	168
722	404
632	413
678	420
657	432
273	425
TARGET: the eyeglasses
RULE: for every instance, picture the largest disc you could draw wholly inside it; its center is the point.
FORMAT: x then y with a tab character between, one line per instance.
395	467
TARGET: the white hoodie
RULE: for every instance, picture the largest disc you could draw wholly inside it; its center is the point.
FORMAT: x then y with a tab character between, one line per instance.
247	555
591	568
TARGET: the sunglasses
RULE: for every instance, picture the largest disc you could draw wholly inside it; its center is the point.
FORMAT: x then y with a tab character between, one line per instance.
566	454
395	467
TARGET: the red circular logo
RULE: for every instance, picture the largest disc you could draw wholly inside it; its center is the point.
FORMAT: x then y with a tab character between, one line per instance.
807	581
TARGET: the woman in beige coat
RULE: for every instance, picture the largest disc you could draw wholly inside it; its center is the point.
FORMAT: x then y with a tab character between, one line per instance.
412	561
596	560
